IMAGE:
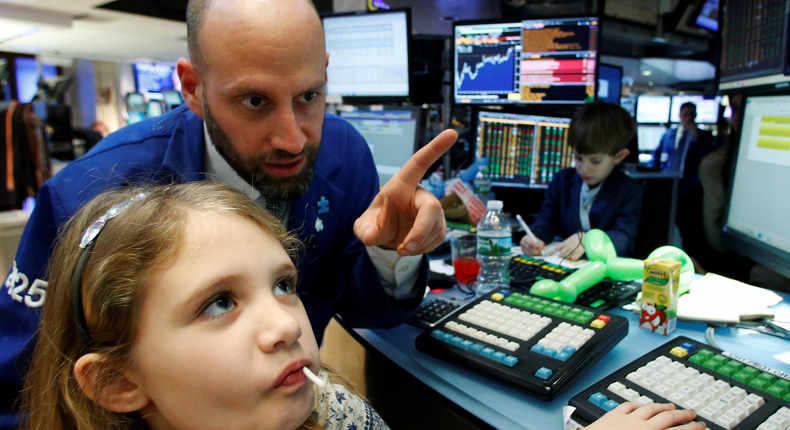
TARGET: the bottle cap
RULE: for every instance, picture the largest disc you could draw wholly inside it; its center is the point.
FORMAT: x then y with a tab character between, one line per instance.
494	205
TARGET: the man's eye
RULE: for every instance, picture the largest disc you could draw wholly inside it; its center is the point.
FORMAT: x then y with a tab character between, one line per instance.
252	102
308	97
219	305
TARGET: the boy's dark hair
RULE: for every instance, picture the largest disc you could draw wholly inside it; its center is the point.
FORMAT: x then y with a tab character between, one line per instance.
600	128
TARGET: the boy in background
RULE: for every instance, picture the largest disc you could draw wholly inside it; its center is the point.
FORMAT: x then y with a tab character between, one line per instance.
594	194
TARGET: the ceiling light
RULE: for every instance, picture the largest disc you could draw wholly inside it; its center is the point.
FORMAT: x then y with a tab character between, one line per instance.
647	72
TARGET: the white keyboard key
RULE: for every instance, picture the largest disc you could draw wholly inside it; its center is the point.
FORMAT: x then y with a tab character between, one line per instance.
643	400
710	414
699	385
729	399
511	346
689	390
678	366
630	395
704	398
690	372
745	406
692	405
649	383
657	376
706	379
779	421
726	421
663	390
678	398
588	332
654	365
684	377
551	336
784	412
673	383
722	385
634	377
576	343
564	340
736	413
738	392
544	343
644	371
719	406
490	338
769	426
564	325
616	388
714	392
668	372
663	360
759	401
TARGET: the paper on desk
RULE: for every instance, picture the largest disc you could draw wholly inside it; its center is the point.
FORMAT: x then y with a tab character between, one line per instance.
718	299
554	259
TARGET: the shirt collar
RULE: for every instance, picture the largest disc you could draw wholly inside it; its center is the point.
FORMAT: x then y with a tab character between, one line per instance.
220	171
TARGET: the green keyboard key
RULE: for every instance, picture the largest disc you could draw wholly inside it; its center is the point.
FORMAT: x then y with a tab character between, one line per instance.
760	384
597	303
743	376
582	319
698	358
575	311
751	371
712	364
735	365
511	299
767	377
777	390
786	397
727	370
538	307
566	308
783	383
588	314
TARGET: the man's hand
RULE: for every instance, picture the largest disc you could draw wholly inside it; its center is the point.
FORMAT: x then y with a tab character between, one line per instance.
404	216
571	248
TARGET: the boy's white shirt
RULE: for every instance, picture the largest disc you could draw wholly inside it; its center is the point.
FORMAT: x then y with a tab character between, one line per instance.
398	274
586	199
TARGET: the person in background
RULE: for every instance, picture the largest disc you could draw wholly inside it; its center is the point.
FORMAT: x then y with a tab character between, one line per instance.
101	128
254	118
594	194
184	275
670	154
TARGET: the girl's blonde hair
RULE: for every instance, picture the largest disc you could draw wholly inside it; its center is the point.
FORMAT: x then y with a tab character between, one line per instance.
144	239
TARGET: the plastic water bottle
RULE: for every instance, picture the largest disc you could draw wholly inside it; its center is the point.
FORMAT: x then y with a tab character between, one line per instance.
482	184
494	239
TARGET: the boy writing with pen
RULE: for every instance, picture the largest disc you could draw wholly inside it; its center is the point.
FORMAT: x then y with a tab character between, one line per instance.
594	194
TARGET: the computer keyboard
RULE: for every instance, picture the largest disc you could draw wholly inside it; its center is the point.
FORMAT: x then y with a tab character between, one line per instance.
726	391
534	343
432	310
604	295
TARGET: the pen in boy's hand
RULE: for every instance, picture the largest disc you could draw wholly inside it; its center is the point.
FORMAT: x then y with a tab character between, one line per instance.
529	232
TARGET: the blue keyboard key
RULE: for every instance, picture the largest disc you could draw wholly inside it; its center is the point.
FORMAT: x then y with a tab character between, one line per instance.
487	352
688	347
504	292
597	399
569	349
437	334
476	348
537	348
550	352
563	356
447	337
499	356
457	340
543	373
466	344
510	361
609	405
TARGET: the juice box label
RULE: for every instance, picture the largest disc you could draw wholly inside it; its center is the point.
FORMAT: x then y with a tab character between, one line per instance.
661	280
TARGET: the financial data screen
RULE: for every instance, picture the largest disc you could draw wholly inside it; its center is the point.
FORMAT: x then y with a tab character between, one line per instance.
368	55
522	150
707	109
527	62
653	109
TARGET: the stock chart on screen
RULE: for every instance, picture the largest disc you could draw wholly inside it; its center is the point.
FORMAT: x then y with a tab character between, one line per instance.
527	62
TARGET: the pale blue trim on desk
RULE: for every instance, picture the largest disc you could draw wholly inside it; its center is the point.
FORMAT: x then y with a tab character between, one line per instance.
505	407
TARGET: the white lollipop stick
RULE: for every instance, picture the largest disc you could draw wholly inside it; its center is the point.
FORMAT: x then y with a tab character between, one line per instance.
311	376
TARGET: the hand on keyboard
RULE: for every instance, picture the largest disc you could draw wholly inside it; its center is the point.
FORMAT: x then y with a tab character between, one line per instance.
654	416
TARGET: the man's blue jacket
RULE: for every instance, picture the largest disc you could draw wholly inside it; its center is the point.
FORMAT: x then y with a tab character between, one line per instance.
336	274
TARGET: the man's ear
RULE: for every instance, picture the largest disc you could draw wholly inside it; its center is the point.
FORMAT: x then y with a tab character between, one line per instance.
191	86
108	387
326	77
620	156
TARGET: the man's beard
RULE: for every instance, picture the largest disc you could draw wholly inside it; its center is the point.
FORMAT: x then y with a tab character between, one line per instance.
251	170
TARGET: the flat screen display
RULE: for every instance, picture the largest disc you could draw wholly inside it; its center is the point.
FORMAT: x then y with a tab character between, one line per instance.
153	78
653	109
707	109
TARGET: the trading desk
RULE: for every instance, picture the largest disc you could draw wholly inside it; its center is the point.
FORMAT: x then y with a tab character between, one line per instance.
506	407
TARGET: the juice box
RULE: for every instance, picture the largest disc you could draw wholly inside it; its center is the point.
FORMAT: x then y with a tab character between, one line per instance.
661	278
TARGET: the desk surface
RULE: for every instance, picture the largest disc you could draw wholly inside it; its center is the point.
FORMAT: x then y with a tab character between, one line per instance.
506	407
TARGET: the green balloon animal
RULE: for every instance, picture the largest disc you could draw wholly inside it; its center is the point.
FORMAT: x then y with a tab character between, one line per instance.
604	263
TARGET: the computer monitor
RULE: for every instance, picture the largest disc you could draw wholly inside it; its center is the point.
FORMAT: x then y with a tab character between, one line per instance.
153	78
609	83
369	55
629	104
756	223
707	108
393	135
649	137
652	109
135	117
549	61
706	15
753	51
135	102
172	98
154	108
522	150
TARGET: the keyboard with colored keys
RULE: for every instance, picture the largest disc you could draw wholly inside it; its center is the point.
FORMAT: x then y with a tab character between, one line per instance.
726	391
604	295
534	343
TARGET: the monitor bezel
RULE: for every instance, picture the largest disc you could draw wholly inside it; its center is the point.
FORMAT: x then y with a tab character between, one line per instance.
598	73
454	66
381	99
773	258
